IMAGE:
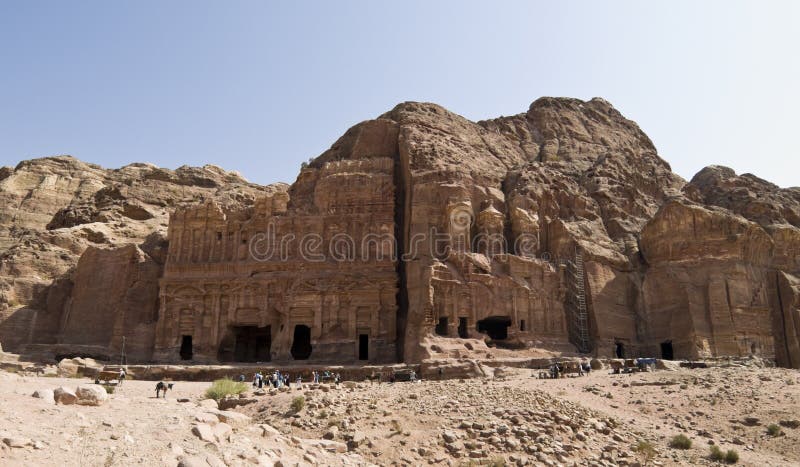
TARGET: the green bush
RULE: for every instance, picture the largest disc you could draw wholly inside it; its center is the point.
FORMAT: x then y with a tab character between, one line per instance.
298	403
774	430
646	451
109	389
225	387
730	457
680	442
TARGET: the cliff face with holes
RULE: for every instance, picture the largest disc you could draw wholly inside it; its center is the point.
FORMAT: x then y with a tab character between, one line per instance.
559	228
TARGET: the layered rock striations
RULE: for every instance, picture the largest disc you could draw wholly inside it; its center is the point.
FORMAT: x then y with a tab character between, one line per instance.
560	228
82	247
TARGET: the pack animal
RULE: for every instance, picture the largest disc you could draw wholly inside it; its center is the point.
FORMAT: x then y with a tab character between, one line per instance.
162	387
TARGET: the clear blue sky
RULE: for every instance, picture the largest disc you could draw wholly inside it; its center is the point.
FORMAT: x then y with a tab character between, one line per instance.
259	86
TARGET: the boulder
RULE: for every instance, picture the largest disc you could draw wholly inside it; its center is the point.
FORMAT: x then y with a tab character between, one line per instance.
668	365
91	394
357	439
268	431
208	404
231	402
330	446
64	395
207	418
205	432
331	432
234	419
222	430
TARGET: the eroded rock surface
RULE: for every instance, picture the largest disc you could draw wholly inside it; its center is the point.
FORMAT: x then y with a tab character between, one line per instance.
559	228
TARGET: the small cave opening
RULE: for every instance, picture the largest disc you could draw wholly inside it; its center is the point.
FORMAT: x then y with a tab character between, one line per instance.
186	351
441	327
363	347
301	343
252	343
462	328
496	327
619	350
666	351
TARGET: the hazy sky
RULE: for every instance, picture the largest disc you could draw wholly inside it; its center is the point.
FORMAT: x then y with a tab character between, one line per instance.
261	86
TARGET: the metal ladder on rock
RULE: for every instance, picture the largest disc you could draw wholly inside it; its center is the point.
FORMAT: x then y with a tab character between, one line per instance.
581	313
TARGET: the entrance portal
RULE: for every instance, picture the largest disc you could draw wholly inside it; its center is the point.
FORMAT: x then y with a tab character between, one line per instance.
252	344
441	327
363	347
619	350
462	328
186	348
496	327
301	344
666	350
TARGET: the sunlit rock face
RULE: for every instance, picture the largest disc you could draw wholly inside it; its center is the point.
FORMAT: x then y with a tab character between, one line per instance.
558	229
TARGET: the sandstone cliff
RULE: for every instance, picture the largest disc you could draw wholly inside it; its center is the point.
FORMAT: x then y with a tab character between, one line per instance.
55	208
557	228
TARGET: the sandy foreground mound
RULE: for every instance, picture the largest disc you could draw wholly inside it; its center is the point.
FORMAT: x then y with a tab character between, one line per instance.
511	419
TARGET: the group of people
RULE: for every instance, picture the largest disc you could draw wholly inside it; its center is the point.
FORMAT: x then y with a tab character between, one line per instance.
558	369
277	379
317	377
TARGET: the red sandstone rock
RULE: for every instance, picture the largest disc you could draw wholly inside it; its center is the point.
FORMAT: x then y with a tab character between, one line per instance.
487	219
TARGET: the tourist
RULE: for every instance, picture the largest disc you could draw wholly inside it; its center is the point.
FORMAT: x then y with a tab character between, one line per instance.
121	377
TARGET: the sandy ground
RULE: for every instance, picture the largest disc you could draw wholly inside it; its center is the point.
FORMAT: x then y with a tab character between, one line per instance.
516	418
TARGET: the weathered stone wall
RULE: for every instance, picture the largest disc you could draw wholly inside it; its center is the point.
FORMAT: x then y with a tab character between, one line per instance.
328	266
706	290
483	220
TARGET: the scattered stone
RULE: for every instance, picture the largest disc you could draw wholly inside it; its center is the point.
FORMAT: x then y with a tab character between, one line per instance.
17	442
91	394
46	395
204	432
65	396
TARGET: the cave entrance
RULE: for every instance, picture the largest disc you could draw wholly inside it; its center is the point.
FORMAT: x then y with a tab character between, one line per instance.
301	344
252	343
619	350
496	327
462	328
186	348
363	346
666	350
441	327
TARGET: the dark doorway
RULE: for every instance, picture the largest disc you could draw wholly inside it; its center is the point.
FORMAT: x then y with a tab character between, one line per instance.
301	344
441	327
363	347
252	343
186	348
462	328
496	327
666	350
619	350
522	325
